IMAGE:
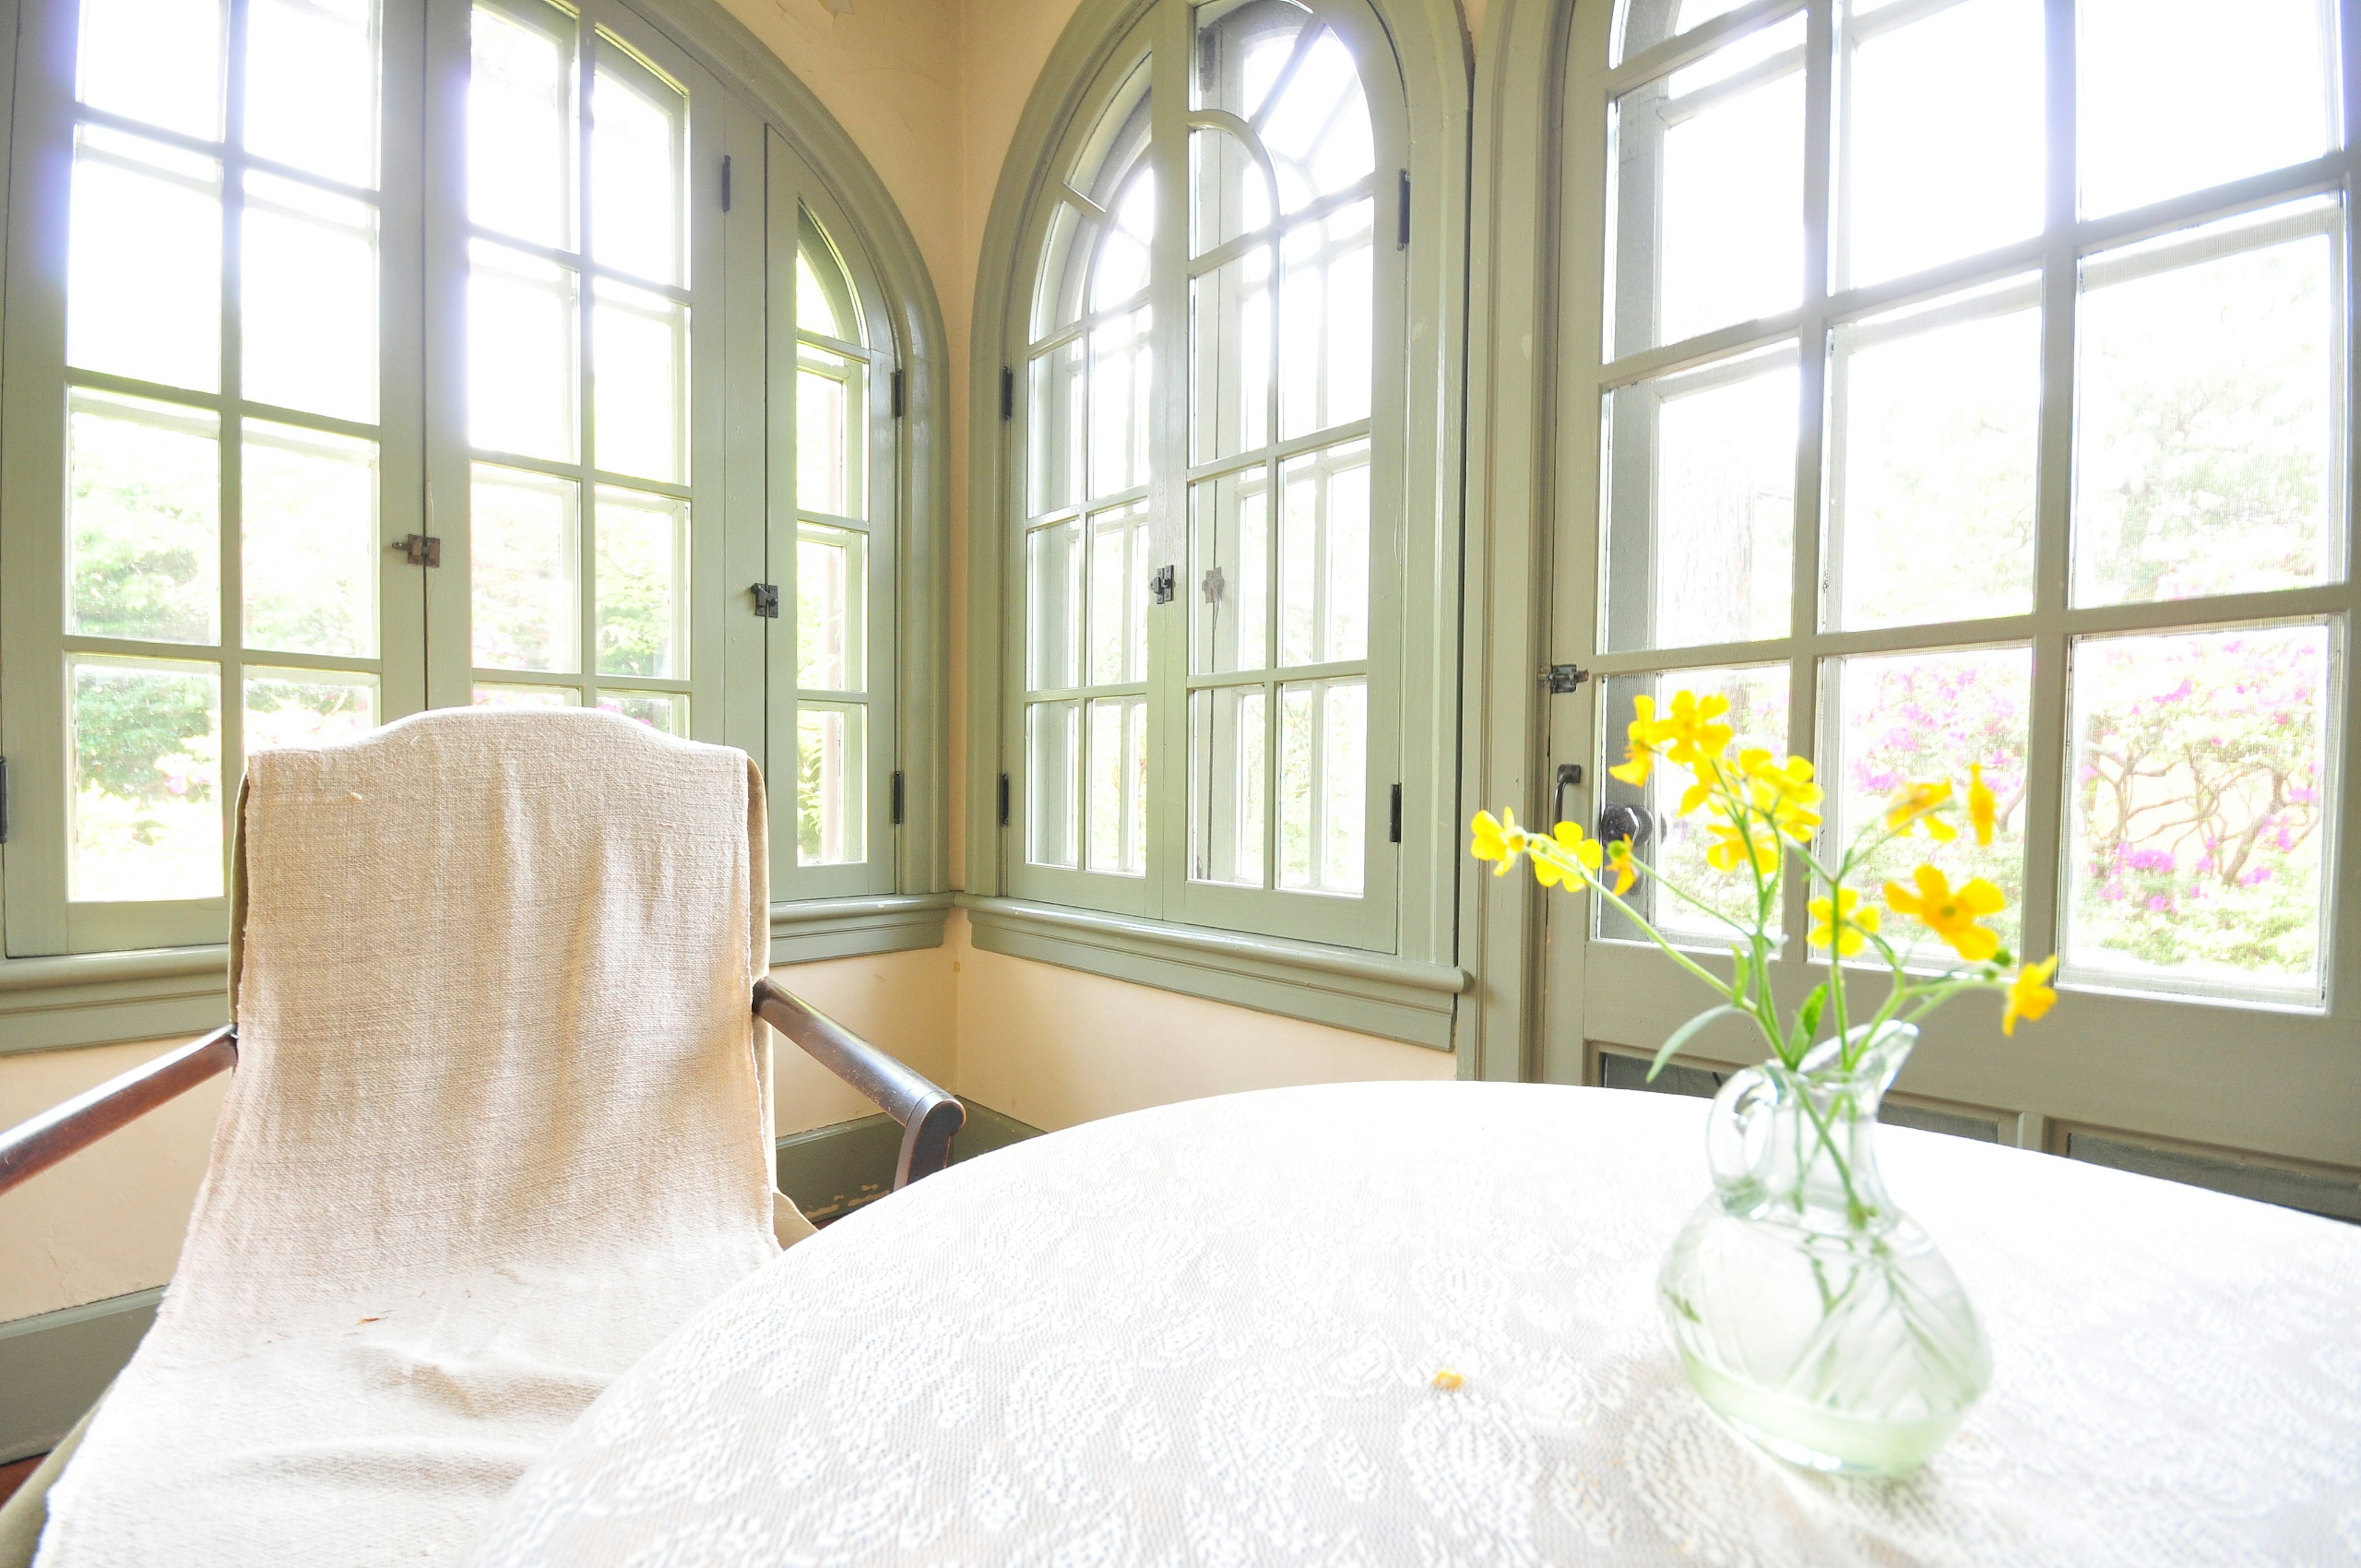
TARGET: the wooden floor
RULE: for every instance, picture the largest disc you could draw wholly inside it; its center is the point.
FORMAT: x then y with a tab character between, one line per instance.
14	1475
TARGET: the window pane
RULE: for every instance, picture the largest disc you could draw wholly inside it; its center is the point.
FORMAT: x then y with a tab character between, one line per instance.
312	86
2200	818
1317	126
1323	788
832	598
524	541
1120	271
1054	427
156	60
1118	633
1943	138
638	131
1051	743
1119	773
664	712
146	812
310	541
521	385
1059	289
830	763
825	302
1323	556
308	300
1230	550
1229	747
1700	505
1053	619
143	268
1709	199
2179	95
1326	322
1229	357
1933	422
830	431
2211	413
145	534
521	139
307	708
1122	363
1230	195
1242	51
1647	23
640	342
1675	845
1910	716
527	696
642	580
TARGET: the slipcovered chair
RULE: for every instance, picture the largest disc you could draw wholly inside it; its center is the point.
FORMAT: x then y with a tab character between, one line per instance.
501	1123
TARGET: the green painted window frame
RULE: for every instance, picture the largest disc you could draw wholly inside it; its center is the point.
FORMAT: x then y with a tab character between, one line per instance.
155	979
1277	951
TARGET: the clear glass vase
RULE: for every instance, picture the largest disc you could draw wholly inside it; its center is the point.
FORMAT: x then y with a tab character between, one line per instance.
1811	1313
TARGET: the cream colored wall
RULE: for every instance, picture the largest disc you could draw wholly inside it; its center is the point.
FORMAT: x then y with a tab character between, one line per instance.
1054	1046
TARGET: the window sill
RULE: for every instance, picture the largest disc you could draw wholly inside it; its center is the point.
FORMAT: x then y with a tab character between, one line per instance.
815	928
1371	993
103	999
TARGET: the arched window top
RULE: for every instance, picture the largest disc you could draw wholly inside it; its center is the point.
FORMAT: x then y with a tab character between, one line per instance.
1279	115
825	301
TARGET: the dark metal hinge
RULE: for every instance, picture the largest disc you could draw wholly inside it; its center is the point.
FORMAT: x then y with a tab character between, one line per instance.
1159	585
766	599
725	181
4	800
1394	834
897	394
1563	678
420	549
1402	220
1007	392
897	797
1004	800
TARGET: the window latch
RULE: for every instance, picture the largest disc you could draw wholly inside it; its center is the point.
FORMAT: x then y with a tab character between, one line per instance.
420	549
766	601
1563	678
1159	585
1215	583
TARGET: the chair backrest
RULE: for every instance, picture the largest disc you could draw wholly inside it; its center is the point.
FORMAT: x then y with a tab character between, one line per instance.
491	972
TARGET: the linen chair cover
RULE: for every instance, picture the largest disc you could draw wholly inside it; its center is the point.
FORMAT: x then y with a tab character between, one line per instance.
499	1124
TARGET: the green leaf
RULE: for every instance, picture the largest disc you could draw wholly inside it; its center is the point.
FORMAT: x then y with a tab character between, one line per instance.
1682	1036
1741	968
1808	1020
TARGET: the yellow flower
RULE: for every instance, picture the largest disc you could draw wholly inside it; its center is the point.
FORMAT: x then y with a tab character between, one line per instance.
1639	755
1690	729
2029	995
1500	840
1620	862
1708	781
1984	807
1567	836
1951	915
1915	803
1733	846
1848	923
1784	793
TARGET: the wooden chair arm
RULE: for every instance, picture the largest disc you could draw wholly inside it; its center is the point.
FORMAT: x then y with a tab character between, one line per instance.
33	1146
928	1117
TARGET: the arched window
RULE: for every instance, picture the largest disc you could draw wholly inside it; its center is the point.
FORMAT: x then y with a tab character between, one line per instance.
1957	382
1209	496
371	355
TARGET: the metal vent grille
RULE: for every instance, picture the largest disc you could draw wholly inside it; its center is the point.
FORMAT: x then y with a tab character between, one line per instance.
2334	1194
1618	1070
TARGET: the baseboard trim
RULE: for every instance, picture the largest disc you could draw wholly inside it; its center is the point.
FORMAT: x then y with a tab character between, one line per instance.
54	1366
831	1171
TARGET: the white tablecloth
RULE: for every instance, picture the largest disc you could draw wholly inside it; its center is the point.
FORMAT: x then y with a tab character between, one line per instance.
1208	1333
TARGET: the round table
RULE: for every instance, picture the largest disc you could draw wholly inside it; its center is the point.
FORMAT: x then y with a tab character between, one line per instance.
1209	1334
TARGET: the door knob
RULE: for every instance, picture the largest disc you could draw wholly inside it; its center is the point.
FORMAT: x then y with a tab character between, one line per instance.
1630	822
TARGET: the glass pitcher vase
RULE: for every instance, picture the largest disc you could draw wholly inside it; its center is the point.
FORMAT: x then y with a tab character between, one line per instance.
1810	1313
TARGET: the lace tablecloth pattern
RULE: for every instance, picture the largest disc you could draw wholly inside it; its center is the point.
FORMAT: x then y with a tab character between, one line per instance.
1208	1332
